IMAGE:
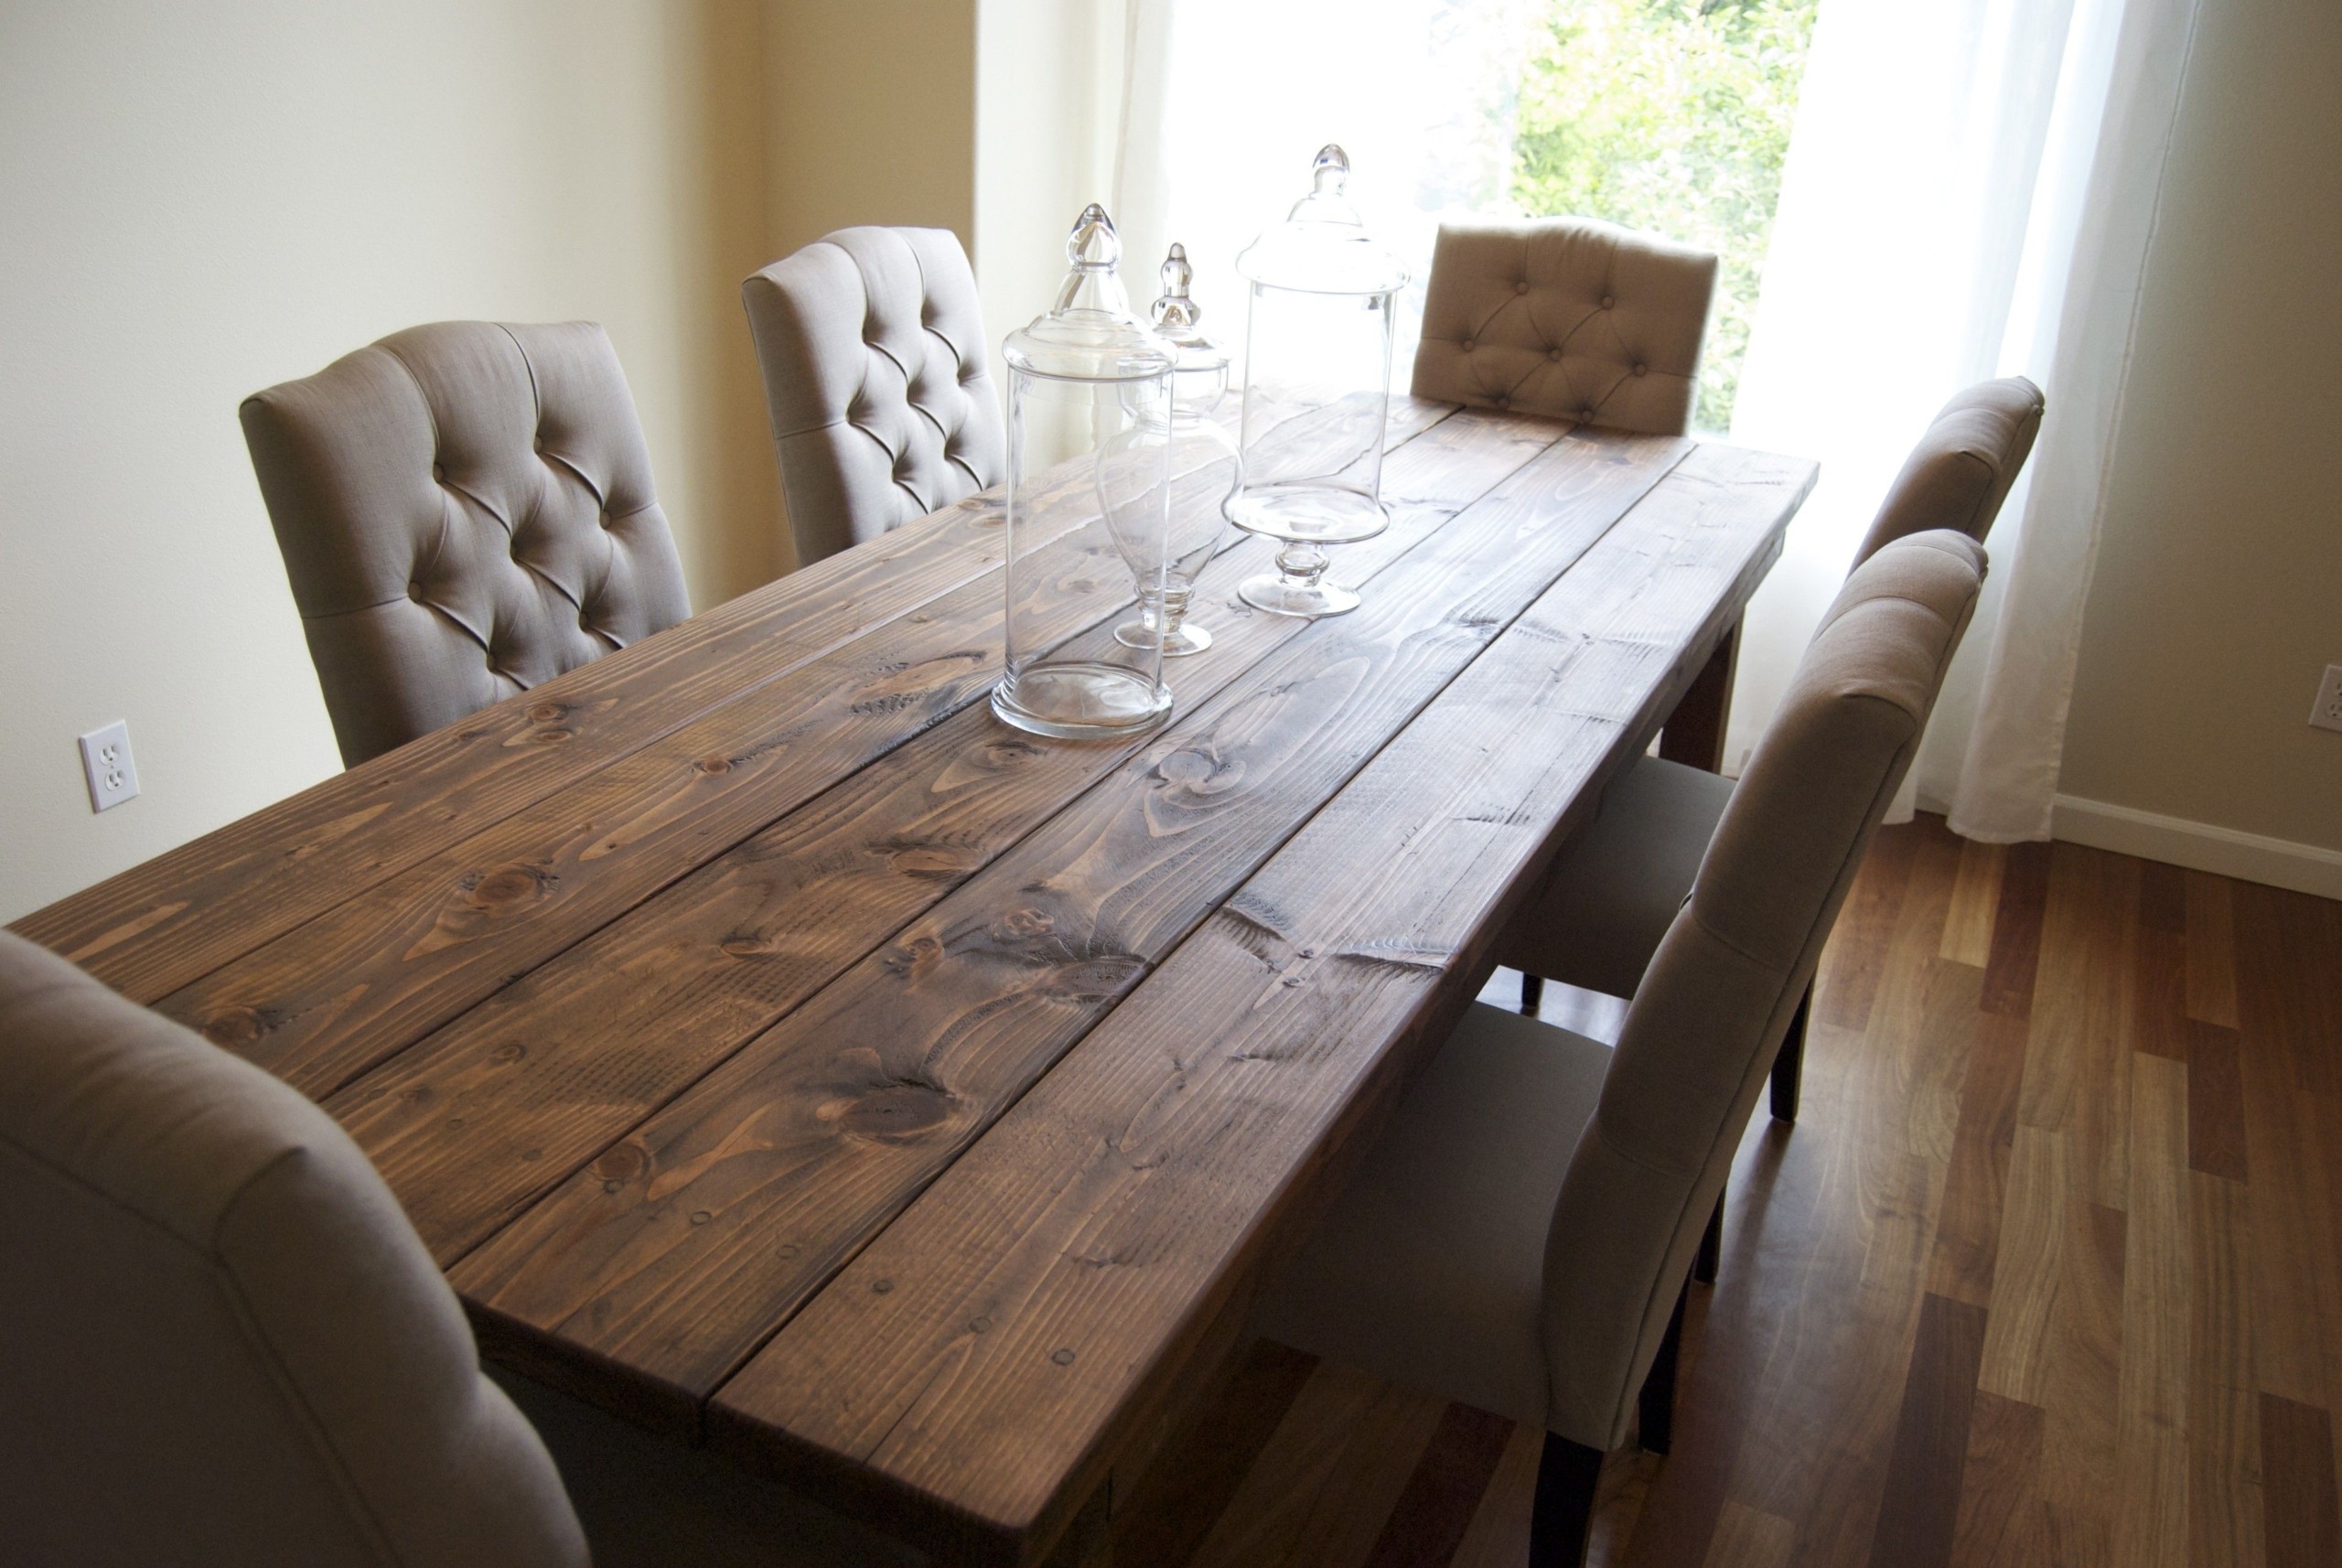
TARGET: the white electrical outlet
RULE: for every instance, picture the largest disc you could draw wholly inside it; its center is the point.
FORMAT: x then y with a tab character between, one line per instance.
2327	714
105	764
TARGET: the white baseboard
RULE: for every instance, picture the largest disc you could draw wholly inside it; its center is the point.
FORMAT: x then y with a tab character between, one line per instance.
2199	846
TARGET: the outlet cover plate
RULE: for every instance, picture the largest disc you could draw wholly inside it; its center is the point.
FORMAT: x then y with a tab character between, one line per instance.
2327	714
106	765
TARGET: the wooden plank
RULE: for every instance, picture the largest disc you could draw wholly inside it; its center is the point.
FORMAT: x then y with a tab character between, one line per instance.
2016	930
1920	1510
1968	927
2297	1487
1842	996
824	1127
1308	1478
1497	1536
2074	1082
166	922
1433	1514
1113	1215
1165	1521
2151	1512
2224	1503
1976	1180
2290	1142
331	998
2216	1137
2211	950
2001	1522
650	1003
2159	963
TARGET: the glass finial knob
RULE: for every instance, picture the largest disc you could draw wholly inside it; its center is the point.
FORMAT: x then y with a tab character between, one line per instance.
1331	172
1093	242
1175	315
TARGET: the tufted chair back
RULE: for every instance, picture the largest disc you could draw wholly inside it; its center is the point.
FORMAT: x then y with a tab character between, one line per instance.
226	1348
465	510
1568	318
1709	1017
874	356
1959	473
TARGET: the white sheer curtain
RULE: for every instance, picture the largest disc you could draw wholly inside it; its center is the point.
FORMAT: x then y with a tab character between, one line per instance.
1970	192
1225	102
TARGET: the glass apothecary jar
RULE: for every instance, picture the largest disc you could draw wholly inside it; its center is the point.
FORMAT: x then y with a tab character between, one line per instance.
1320	320
1089	420
1204	466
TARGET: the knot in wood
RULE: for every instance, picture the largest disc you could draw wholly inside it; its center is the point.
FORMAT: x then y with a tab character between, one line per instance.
506	886
622	1163
234	1027
893	1110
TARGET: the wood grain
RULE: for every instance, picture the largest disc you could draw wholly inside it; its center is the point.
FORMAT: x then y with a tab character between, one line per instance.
162	925
663	994
2016	930
2151	1510
1108	1215
1968	924
822	1129
1920	1507
2297	1485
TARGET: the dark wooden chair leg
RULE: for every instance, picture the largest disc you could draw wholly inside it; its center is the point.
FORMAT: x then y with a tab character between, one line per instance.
1789	1067
1658	1412
1563	1517
1532	993
1710	1258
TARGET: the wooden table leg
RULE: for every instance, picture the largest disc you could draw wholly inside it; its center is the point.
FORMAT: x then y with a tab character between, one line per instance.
1694	735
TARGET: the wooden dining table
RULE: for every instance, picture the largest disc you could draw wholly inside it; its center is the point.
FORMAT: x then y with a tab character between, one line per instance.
777	1050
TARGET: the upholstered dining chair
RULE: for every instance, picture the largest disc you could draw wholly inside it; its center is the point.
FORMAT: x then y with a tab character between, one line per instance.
1569	317
465	510
226	1348
1519	1236
1615	888
874	362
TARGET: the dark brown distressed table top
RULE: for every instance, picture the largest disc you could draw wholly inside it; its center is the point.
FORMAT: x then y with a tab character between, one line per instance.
779	1050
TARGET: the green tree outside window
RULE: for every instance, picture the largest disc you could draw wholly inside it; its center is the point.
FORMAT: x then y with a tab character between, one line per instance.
1670	115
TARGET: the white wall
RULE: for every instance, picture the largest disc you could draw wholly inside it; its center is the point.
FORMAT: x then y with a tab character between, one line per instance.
197	202
2217	600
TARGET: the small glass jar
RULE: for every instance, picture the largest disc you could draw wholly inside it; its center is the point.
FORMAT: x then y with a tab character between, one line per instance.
1090	392
1319	324
1204	465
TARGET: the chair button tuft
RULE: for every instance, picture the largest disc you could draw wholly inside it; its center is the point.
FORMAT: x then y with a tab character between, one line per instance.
1503	401
1587	416
439	472
1466	345
1608	302
1521	286
1555	355
1642	370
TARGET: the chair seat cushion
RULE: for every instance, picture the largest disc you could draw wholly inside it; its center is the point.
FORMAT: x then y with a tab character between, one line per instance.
1430	1268
1620	879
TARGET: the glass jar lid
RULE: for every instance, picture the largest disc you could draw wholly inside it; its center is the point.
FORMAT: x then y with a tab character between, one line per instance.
1178	320
1322	247
1090	333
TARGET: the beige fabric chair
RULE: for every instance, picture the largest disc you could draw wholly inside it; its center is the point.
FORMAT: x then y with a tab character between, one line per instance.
1569	317
1520	1237
1619	883
465	510
1959	473
225	1345
874	362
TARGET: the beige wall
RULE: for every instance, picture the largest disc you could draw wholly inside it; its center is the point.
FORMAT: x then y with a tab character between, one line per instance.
197	202
2217	600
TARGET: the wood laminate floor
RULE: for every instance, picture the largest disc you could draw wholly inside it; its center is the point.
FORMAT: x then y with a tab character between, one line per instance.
2049	1270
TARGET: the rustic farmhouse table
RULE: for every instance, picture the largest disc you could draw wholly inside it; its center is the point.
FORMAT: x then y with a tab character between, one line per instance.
779	1051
